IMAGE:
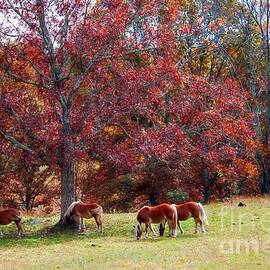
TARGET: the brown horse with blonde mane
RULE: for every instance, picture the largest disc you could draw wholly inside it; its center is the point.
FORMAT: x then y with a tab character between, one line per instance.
192	209
156	214
82	210
9	215
186	211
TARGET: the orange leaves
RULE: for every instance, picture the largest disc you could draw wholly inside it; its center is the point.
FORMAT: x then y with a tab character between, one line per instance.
186	28
112	130
215	25
248	168
176	3
222	21
252	170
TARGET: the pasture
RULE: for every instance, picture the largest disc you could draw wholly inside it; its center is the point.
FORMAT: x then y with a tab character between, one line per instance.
237	238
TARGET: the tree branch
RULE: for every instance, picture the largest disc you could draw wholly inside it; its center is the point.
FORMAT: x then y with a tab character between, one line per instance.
15	142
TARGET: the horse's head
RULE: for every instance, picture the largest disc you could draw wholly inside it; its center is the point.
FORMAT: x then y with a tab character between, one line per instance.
138	231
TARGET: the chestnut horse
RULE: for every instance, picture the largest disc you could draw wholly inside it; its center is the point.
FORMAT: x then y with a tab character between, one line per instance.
9	215
191	209
156	215
85	210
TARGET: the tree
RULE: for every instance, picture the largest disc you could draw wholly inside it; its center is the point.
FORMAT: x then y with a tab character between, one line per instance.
85	81
66	75
26	182
209	134
255	17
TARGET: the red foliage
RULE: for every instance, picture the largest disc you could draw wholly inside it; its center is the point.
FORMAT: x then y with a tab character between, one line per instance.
83	83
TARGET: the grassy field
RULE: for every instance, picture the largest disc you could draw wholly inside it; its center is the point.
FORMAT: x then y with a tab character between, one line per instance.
237	238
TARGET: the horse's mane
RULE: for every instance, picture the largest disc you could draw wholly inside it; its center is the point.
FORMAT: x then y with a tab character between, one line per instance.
70	208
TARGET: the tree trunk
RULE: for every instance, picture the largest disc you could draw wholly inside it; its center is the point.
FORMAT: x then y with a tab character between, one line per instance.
265	181
206	187
67	164
28	181
67	187
153	198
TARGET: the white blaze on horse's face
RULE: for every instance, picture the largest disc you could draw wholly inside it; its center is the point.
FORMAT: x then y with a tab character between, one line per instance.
137	231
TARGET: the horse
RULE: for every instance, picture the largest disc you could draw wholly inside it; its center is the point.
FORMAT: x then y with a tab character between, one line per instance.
156	215
191	209
82	210
9	215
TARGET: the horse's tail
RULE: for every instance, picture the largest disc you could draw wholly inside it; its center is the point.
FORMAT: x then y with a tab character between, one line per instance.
174	220
203	213
68	213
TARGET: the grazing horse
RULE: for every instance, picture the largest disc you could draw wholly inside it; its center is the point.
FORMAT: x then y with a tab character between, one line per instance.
156	214
85	210
191	209
9	215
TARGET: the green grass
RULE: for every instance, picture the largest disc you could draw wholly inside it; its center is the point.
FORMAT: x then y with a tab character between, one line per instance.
237	238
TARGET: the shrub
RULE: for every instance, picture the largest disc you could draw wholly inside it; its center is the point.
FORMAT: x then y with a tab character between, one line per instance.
177	196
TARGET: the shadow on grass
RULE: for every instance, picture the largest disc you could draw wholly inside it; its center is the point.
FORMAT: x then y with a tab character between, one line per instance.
46	234
49	234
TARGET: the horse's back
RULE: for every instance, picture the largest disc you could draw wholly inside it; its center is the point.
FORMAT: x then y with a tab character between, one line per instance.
187	210
155	214
87	210
10	211
168	210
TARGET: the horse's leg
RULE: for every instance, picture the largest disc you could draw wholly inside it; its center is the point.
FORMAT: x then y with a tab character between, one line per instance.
82	224
201	225
151	229
78	219
162	227
19	227
197	221
97	220
170	228
146	229
100	224
180	227
203	229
